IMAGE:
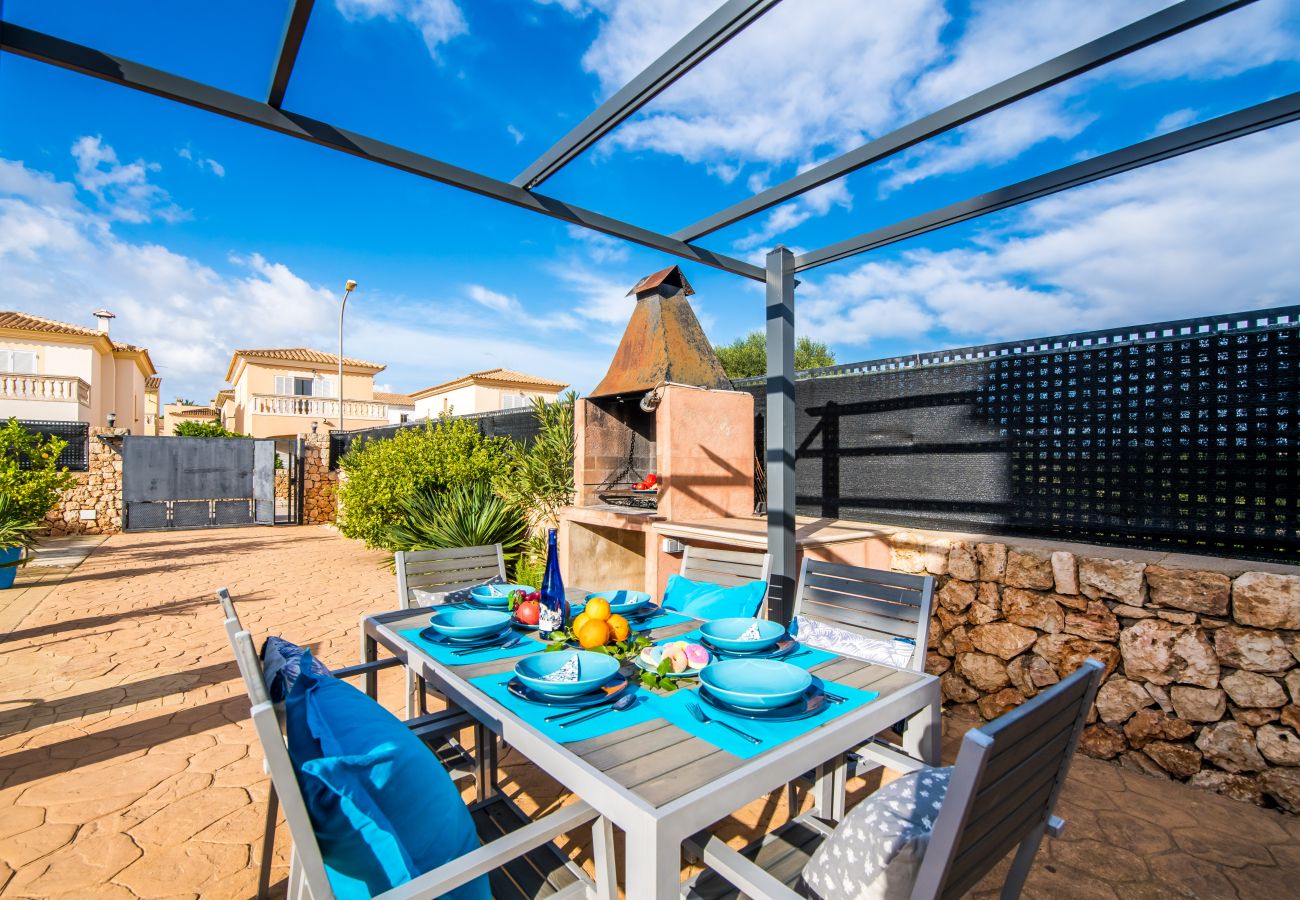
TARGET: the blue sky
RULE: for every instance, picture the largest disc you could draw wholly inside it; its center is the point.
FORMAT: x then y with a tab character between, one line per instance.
204	234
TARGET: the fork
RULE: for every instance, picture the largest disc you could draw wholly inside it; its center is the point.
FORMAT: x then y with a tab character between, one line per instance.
694	710
513	642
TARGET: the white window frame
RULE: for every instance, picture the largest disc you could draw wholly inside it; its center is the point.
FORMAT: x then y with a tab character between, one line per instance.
9	362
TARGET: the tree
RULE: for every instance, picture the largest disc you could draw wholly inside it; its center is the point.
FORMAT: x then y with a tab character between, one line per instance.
30	475
206	429
746	357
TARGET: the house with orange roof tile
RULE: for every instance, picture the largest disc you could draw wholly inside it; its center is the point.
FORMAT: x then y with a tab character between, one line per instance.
283	392
486	391
61	372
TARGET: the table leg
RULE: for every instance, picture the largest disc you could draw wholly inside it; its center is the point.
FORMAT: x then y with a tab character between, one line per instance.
830	787
922	738
653	866
369	653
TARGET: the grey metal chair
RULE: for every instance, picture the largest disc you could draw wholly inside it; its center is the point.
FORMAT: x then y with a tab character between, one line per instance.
1002	793
428	578
875	604
436	729
726	568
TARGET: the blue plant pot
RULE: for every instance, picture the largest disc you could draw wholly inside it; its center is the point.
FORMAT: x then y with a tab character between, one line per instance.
9	573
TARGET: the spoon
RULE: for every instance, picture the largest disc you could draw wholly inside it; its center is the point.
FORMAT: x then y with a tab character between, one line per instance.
513	642
618	705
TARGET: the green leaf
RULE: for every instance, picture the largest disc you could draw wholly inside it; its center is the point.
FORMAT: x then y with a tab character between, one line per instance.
665	666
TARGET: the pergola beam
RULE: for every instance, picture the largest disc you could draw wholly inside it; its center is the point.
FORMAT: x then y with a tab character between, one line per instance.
87	61
1130	38
295	26
721	26
1262	116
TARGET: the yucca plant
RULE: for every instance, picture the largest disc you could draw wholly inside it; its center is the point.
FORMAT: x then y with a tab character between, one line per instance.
465	515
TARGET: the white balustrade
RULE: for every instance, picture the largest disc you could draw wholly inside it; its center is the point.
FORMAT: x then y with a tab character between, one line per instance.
55	388
317	407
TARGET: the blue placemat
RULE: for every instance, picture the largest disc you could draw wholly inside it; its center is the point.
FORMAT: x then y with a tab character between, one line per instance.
672	707
663	620
643	710
804	657
447	655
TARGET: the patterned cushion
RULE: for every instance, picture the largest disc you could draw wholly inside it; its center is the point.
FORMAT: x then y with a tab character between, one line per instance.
876	851
436	598
897	652
281	665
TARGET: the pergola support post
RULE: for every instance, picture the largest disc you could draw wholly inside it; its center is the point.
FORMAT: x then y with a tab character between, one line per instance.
780	446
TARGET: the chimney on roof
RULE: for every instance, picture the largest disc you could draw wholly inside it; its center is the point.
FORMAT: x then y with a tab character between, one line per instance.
104	317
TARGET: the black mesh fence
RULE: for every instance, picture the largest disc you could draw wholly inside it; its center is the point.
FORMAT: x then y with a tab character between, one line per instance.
76	455
517	424
1176	436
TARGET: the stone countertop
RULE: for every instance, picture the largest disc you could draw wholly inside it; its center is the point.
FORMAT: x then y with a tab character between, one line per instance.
751	531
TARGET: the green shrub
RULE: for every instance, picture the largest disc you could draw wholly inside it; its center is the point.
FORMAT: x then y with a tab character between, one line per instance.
16	530
539	480
382	474
33	491
206	429
464	515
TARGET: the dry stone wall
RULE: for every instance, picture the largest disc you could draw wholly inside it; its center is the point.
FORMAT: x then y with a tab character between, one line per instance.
94	504
1201	681
320	485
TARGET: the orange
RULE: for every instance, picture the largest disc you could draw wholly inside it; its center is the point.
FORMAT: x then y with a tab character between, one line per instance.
619	628
576	625
598	609
592	634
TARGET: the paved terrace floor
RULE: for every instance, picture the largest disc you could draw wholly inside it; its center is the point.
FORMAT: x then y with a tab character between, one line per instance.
128	766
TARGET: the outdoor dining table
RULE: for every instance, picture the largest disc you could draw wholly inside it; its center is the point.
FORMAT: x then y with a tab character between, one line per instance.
656	781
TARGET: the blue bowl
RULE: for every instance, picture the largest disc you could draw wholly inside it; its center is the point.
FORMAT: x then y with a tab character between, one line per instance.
483	593
622	602
467	624
725	634
594	669
755	683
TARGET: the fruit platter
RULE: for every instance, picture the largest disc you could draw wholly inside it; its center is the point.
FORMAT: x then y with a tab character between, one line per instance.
648	485
599	629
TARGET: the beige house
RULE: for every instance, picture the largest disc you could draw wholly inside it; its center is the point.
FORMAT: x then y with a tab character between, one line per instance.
176	413
288	391
153	417
485	391
225	404
401	408
57	371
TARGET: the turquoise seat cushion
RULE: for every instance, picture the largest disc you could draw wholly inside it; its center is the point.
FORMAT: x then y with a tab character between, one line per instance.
383	808
706	601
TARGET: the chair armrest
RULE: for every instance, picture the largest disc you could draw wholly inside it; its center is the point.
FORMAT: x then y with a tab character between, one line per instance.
365	668
1055	826
493	855
437	724
746	875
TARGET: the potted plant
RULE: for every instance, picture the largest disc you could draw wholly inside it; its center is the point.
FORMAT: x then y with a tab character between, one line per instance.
17	534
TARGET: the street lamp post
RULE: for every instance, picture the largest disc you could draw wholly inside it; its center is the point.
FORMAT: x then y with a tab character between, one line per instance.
348	288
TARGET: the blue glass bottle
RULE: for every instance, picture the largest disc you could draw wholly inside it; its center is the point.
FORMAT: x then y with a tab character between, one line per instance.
554	609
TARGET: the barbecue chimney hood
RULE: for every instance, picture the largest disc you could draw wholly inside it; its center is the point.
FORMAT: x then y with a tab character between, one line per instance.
663	342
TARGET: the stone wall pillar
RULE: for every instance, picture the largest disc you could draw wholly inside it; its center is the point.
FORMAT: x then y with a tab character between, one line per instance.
94	504
320	485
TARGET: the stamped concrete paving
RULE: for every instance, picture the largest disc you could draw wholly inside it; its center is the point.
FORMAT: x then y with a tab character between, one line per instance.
128	767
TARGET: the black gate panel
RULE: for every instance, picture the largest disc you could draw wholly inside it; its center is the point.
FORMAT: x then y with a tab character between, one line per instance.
182	482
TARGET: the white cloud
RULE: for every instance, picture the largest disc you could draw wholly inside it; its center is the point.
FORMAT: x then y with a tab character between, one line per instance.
1179	118
1205	233
203	162
439	21
515	133
600	248
493	300
123	190
818	77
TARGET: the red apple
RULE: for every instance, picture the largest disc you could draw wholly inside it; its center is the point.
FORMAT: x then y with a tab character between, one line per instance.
528	612
651	480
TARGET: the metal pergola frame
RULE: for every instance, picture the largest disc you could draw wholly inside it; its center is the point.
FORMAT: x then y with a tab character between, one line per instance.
722	25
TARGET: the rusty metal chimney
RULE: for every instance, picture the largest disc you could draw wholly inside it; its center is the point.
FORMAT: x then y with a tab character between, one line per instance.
663	341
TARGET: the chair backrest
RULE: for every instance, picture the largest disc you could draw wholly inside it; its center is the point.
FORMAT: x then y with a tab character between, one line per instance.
725	568
440	572
1005	784
228	612
873	602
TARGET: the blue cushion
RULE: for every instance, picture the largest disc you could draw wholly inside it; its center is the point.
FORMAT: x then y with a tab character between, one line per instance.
383	808
281	663
706	601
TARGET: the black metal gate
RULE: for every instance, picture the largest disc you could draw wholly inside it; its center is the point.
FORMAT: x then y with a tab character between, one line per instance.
185	482
288	481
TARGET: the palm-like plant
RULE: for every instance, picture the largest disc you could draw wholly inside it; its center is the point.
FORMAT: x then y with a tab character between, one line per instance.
466	515
17	528
539	478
